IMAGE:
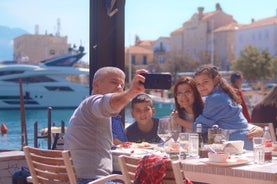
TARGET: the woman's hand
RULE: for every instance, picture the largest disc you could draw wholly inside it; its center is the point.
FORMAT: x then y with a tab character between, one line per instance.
255	131
184	123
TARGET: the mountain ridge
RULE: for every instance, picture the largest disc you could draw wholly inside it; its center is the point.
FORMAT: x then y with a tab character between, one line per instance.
7	35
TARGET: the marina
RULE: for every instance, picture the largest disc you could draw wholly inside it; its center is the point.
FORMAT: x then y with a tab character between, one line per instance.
12	139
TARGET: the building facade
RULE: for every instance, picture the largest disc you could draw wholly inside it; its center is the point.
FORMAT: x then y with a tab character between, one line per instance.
32	49
216	35
140	55
261	34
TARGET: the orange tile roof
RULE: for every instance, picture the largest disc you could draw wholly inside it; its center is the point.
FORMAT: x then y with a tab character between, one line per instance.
232	26
205	16
145	43
262	22
138	50
179	30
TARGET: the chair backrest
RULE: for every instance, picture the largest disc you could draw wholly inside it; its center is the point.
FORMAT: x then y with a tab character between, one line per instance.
271	129
129	164
50	166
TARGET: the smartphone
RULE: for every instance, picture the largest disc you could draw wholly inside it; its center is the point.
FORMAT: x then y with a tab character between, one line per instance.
157	81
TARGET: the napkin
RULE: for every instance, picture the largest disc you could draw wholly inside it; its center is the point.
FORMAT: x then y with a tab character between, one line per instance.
151	169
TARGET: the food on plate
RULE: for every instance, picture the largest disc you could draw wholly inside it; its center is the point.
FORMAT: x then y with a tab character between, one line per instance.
218	156
173	147
143	145
125	145
135	145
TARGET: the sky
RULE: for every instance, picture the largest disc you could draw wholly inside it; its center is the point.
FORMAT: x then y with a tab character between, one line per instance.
149	19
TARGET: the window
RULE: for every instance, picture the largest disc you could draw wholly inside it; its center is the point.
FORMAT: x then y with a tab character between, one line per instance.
133	59
161	60
253	37
260	36
52	52
144	60
266	36
240	38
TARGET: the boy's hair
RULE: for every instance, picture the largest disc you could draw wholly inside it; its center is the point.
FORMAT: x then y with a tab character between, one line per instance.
141	98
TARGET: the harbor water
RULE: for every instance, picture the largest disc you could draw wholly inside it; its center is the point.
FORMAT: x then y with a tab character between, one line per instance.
12	118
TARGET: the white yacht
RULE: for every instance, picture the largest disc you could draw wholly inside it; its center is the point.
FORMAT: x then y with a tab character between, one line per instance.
54	83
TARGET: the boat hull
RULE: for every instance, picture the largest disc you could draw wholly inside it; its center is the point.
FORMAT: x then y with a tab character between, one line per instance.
40	97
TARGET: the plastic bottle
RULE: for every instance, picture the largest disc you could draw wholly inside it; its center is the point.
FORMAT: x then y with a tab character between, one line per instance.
268	144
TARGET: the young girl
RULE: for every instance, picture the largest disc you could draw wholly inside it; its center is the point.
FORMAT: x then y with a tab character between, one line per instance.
222	105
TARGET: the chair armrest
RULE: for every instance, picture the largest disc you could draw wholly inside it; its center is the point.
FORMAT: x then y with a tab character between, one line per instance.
112	177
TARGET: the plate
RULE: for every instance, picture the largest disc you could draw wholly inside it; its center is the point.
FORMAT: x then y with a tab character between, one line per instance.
130	151
144	146
229	162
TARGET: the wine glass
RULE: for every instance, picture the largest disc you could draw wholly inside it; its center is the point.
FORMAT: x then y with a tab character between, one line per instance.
164	129
174	128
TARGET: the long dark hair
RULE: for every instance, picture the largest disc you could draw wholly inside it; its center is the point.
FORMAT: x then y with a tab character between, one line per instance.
213	72
198	104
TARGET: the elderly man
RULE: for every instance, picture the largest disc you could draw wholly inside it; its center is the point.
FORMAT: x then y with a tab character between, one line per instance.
89	135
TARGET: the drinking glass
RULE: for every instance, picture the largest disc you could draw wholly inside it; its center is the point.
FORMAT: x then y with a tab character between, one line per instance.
259	150
164	132
164	129
174	128
193	145
183	145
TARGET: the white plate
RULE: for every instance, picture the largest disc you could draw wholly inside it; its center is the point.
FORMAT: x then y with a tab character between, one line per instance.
229	162
131	151
148	146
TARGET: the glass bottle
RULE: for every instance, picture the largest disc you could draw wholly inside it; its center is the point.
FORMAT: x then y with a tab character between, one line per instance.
267	144
202	152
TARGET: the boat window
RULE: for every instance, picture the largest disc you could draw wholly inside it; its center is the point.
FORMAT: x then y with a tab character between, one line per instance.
58	88
3	73
83	78
35	79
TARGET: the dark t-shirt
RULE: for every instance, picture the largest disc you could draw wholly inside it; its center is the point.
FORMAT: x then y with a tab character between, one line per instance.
264	114
134	134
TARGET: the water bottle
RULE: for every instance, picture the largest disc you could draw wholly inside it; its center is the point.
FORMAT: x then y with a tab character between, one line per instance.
267	144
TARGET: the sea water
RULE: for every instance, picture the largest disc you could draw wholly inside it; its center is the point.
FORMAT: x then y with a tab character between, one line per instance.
12	119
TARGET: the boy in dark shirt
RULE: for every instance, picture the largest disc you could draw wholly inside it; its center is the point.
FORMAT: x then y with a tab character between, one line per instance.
144	129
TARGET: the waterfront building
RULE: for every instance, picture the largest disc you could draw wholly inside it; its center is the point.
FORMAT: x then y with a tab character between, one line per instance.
33	48
139	55
261	34
217	35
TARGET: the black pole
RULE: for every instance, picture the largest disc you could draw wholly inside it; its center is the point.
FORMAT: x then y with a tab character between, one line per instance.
49	132
106	36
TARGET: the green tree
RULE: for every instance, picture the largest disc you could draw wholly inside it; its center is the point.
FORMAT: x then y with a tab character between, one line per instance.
274	67
249	63
179	61
264	65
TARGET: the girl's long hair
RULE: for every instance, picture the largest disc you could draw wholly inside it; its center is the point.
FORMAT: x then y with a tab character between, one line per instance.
198	104
213	72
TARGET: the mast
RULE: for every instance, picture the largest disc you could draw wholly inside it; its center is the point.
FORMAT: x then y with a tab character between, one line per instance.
24	139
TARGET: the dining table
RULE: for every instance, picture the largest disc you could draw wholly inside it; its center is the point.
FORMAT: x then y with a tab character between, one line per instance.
240	169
